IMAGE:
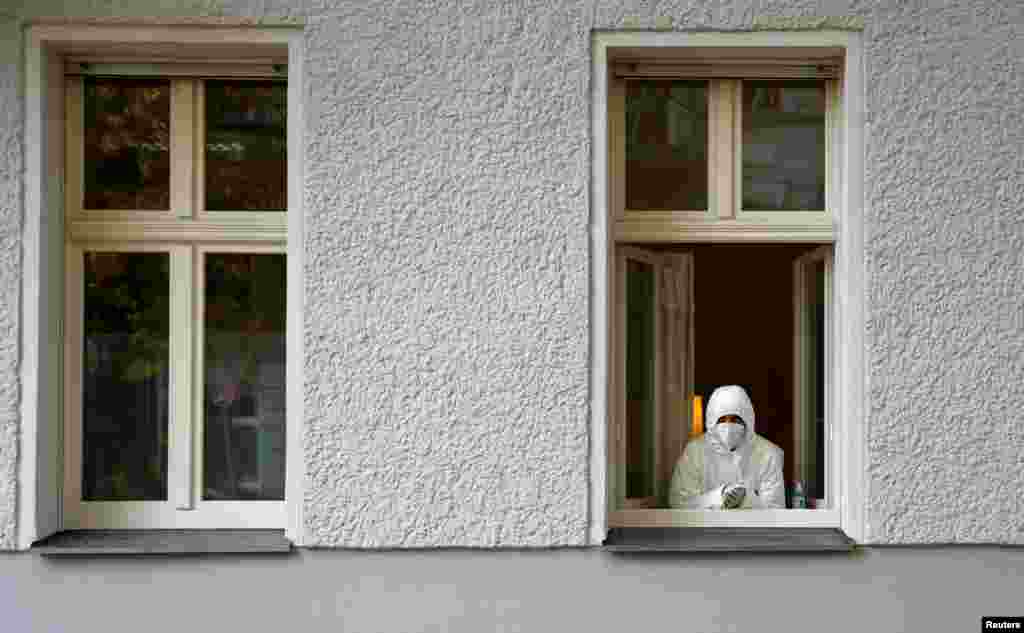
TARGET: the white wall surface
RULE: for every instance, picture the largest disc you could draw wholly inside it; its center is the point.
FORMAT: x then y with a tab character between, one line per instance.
11	161
447	202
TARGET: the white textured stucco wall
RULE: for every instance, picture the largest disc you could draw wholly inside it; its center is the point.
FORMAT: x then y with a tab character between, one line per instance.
945	255
447	284
11	161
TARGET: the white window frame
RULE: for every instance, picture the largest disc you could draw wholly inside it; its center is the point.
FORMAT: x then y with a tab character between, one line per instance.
179	49
843	227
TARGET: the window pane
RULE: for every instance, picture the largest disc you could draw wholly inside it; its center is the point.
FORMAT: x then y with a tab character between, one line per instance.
666	145
245	145
245	377
783	145
124	377
127	144
640	446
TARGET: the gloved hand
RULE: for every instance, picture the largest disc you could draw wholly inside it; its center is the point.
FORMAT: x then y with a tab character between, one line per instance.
732	496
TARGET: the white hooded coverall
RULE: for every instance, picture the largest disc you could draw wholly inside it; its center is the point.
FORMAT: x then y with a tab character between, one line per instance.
707	464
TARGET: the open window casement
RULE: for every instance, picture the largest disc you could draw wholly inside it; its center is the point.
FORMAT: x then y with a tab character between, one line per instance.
813	321
653	362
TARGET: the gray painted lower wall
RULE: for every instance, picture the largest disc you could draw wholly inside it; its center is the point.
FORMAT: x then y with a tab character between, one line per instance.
880	590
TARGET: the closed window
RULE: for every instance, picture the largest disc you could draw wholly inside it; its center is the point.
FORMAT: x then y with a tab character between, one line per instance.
175	283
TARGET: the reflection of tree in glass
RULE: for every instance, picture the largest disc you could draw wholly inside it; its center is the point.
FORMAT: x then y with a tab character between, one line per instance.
127	140
245	295
125	376
244	346
245	145
127	293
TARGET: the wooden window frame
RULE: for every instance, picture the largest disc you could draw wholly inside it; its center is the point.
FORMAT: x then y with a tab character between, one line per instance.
176	51
670	269
186	219
187	232
724	220
802	353
842	228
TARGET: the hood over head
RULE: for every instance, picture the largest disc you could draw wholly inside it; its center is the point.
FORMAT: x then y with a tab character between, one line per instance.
729	400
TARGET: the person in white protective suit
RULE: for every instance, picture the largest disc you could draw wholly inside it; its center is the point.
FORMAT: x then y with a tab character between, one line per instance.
729	466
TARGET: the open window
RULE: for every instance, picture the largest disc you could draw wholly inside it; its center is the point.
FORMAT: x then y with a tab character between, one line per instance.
690	318
726	182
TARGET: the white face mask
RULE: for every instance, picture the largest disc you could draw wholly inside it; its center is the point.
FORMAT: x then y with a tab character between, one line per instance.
730	433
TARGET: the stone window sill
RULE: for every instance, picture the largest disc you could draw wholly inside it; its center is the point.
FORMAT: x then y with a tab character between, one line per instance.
810	540
162	542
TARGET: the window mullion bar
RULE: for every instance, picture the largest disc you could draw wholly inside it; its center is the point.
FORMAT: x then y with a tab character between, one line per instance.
182	128
180	343
723	155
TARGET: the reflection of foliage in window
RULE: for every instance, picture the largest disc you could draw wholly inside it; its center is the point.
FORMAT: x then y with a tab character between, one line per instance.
245	145
245	294
244	366
127	293
125	377
127	140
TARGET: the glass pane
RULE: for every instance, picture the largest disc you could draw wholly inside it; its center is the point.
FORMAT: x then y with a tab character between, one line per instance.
783	145
124	377
245	378
639	379
126	134
666	145
245	145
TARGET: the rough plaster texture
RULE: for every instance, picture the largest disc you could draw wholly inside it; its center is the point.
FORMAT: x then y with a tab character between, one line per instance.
447	202
945	255
11	182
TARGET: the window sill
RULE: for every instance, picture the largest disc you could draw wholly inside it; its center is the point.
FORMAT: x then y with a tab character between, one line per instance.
641	539
162	542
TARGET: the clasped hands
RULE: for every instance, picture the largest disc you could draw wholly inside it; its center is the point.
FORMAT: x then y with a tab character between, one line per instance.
733	495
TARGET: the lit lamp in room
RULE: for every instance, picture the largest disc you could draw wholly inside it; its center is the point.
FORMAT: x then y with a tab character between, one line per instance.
698	418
